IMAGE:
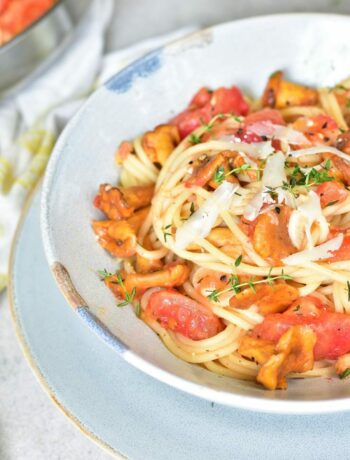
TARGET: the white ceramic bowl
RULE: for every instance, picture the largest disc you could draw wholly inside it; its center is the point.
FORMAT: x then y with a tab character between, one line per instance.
311	48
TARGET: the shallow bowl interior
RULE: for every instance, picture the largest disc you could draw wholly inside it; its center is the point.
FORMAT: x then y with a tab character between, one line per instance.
313	49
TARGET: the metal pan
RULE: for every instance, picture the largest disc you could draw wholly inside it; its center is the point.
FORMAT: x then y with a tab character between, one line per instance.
25	52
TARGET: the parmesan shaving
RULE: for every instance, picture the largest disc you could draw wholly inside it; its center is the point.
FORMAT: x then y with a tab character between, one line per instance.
203	220
257	150
323	251
308	213
274	175
280	132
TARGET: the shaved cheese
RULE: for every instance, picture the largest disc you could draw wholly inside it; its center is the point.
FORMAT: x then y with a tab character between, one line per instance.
203	220
319	149
253	208
280	132
264	149
274	175
308	212
257	150
323	251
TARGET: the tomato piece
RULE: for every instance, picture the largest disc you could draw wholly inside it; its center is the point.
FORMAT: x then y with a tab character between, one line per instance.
343	253
181	314
332	329
229	100
4	5
16	15
320	129
274	116
201	98
189	120
242	135
235	133
321	123
205	105
331	191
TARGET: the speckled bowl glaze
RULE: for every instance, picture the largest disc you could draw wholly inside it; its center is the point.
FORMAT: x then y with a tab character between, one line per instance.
311	48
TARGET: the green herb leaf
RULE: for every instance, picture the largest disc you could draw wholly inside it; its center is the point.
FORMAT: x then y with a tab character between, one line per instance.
165	233
348	289
130	296
207	126
341	87
123	304
238	261
219	175
345	374
251	285
236	286
327	165
104	274
214	295
331	203
192	210
138	309
194	139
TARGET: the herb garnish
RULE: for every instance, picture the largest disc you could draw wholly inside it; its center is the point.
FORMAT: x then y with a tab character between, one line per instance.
195	139
341	87
238	261
300	179
104	274
345	374
192	210
138	309
348	289
331	203
207	126
129	296
236	286
220	175
165	233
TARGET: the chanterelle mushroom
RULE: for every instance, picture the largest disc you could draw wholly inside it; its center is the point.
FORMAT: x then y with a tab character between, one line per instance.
294	353
159	143
121	203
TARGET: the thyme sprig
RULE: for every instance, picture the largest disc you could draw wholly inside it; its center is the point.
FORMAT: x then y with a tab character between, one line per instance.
220	174
195	139
236	286
298	180
103	274
166	233
129	296
345	374
312	177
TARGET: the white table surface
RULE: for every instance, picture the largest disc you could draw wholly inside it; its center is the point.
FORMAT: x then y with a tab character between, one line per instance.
31	427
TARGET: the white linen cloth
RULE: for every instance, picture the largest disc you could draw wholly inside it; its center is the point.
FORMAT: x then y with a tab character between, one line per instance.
31	121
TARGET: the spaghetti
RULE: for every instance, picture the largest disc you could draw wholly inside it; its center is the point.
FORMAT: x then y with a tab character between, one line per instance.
232	222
